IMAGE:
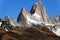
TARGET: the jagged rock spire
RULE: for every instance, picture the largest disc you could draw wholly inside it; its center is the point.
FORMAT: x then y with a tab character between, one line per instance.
22	18
20	14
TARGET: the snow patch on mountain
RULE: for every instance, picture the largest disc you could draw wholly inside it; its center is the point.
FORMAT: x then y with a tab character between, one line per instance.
0	23
57	32
36	15
6	29
47	24
33	21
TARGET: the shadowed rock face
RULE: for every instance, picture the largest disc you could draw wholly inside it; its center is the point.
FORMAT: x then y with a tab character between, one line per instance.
32	33
22	18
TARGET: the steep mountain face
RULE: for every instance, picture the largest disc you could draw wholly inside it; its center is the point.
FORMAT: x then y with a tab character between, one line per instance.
22	18
38	11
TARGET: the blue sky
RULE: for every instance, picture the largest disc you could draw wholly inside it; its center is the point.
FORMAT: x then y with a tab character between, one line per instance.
12	7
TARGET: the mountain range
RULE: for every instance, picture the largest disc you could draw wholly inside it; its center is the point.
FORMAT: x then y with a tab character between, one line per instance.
34	24
38	17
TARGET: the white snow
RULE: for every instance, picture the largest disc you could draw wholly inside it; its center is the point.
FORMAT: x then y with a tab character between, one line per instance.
32	21
36	15
49	24
6	29
57	32
0	23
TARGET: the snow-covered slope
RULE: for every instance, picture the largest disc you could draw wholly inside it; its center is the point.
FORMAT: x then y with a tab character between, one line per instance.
57	32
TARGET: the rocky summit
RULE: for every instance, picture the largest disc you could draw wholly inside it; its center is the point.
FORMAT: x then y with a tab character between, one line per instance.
37	15
33	25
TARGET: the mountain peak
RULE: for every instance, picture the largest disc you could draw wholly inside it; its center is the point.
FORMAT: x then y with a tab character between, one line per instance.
36	7
23	10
